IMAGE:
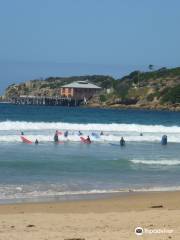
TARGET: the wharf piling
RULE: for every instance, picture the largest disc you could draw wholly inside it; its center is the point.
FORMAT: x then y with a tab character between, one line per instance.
46	101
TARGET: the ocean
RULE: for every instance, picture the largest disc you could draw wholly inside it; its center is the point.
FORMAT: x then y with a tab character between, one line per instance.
74	170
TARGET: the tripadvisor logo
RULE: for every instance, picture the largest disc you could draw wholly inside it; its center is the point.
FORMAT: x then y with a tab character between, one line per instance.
139	231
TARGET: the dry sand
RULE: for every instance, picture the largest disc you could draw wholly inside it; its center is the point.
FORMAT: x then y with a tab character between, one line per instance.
102	219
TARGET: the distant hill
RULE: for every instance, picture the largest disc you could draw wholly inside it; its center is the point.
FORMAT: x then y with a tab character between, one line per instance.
158	89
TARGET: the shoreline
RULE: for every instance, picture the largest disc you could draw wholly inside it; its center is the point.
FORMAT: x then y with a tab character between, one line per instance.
100	219
87	197
119	202
136	107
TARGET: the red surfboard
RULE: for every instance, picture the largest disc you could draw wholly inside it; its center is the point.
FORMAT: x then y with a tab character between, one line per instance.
85	140
25	140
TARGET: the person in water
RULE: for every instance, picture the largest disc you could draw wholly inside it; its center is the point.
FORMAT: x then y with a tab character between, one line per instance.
22	133
122	142
101	133
88	139
36	142
141	134
66	134
80	133
56	138
164	140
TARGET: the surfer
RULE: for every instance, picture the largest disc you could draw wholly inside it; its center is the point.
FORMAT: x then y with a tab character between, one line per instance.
56	138
80	133
88	139
141	134
65	133
101	133
36	142
22	133
122	142
164	140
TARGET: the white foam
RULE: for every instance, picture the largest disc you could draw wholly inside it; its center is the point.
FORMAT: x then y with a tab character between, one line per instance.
157	162
114	127
51	193
44	131
12	193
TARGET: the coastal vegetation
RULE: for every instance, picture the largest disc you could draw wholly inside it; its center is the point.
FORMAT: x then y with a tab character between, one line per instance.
158	88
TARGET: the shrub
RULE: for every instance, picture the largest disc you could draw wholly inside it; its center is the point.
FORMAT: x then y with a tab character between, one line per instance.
150	97
103	98
172	95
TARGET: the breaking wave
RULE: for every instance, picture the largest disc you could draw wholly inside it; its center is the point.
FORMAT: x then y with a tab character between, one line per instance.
27	193
157	162
114	127
44	131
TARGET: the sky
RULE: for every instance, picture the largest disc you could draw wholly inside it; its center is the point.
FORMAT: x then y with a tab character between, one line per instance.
42	38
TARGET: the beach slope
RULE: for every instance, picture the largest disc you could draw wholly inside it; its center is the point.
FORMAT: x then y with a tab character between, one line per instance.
113	218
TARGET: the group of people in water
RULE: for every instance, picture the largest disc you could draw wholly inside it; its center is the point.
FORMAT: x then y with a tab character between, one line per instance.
88	140
66	133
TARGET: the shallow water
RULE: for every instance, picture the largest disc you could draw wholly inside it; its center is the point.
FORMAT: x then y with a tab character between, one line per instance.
72	168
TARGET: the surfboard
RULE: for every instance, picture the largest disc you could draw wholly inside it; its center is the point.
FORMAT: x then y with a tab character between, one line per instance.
60	133
95	135
115	144
25	140
85	140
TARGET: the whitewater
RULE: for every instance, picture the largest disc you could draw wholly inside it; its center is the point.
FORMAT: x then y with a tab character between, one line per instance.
44	131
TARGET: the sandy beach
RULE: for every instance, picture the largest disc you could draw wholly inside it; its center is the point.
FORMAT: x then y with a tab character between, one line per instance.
101	219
